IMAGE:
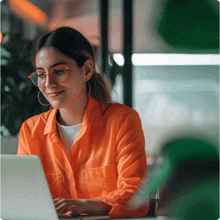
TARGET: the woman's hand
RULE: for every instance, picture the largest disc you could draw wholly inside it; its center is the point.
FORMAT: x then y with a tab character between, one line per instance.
73	207
70	206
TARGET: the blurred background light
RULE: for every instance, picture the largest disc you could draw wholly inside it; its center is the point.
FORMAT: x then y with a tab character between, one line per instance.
192	85
151	59
1	37
119	59
175	59
28	11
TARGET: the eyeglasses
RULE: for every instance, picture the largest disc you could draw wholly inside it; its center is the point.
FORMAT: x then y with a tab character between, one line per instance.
58	73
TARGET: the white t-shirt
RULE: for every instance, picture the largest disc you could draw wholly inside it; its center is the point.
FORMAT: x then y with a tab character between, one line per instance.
68	134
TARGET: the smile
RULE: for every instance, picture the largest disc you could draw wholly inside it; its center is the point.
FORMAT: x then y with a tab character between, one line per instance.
54	94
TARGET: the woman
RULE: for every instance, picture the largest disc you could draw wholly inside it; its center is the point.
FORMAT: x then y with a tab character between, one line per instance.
92	150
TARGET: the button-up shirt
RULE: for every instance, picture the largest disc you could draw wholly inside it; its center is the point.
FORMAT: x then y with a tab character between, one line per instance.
107	161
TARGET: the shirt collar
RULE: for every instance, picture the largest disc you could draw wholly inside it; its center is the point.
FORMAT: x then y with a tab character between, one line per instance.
51	122
93	112
92	115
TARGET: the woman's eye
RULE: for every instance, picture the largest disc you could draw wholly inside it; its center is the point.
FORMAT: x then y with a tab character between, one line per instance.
58	71
40	75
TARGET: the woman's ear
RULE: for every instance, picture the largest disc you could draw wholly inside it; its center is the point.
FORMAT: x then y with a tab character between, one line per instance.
88	68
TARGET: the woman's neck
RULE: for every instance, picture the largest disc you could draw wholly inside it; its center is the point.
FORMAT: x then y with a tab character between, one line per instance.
73	115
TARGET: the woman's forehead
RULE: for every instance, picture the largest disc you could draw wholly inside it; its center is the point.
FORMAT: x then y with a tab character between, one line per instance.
48	56
48	51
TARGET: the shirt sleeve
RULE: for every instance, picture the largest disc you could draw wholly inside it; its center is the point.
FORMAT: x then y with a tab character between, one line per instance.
131	167
23	146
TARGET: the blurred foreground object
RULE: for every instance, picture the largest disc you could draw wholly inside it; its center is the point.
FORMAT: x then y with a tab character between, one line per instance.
194	177
190	24
191	170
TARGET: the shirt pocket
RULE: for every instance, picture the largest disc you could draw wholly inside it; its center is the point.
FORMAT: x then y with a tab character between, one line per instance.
101	180
56	185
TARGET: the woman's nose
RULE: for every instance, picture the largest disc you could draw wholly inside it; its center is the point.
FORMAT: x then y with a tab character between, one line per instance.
49	81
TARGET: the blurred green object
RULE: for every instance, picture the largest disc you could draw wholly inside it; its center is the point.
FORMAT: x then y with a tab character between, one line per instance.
190	169
196	154
194	178
202	202
18	95
190	24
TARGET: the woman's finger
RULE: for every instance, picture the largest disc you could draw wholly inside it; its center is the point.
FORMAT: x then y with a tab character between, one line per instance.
58	202
74	210
69	213
62	208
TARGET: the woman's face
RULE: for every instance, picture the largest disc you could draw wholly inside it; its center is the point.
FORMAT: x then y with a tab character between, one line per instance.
72	89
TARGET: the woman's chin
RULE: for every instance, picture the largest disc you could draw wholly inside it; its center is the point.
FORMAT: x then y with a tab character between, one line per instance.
57	104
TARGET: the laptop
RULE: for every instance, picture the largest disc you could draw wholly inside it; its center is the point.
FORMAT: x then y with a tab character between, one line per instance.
25	193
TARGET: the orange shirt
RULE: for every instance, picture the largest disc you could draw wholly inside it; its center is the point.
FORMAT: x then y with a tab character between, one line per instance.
107	160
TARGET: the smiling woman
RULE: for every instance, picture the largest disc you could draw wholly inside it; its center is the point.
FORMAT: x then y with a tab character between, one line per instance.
92	150
68	88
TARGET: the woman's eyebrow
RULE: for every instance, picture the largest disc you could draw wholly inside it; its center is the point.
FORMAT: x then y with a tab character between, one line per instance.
56	64
59	63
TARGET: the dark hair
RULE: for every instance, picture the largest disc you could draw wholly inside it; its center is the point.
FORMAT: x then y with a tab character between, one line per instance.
74	45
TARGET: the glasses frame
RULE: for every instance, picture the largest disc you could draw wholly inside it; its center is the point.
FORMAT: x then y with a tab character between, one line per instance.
49	74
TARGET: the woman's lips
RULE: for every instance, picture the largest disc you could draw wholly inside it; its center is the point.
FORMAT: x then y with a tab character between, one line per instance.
54	94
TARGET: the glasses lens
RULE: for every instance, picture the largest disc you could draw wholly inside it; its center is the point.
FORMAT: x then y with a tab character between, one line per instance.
59	73
38	79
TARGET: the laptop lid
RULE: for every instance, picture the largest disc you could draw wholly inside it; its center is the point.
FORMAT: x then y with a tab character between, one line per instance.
24	190
25	193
